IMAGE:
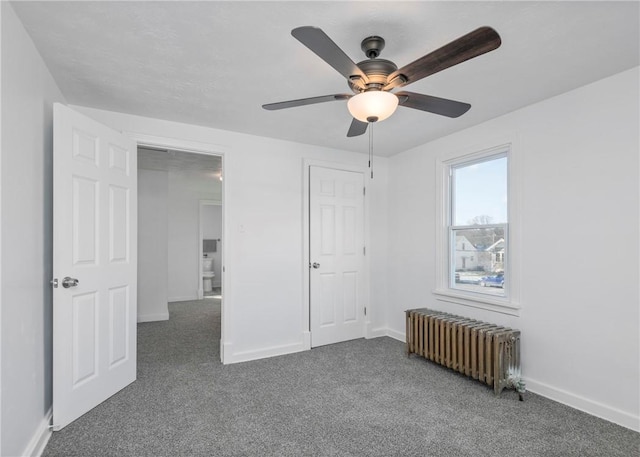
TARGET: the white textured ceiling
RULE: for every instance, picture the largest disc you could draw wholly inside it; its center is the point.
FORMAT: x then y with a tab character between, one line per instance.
215	63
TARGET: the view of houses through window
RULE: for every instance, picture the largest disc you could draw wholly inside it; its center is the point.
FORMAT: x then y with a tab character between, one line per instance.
478	225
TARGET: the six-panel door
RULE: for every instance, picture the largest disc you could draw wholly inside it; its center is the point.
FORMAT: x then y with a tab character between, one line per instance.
336	226
95	243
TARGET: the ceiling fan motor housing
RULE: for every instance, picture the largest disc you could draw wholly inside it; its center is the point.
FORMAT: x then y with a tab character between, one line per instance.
377	71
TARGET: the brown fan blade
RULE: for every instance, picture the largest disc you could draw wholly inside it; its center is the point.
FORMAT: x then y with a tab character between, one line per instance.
471	45
320	43
305	101
442	106
357	128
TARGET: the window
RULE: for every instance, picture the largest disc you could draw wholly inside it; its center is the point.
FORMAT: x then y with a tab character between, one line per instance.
475	242
478	224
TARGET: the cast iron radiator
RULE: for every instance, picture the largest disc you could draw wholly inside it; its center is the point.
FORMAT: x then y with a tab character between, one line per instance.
486	352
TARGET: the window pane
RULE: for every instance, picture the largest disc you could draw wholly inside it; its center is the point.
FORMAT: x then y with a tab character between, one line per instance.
480	193
478	259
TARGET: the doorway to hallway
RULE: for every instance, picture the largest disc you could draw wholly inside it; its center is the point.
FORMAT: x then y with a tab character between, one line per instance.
180	245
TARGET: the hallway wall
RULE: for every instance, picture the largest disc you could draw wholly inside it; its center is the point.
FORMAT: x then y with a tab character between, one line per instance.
186	189
153	247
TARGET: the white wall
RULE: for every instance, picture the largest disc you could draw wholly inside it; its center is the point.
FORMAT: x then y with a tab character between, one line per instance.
580	225
28	93
264	252
186	189
212	230
153	256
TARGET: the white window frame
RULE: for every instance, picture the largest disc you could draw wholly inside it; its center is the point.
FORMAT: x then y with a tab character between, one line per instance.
510	303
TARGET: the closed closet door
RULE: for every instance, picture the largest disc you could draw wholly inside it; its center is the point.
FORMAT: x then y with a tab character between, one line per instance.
336	226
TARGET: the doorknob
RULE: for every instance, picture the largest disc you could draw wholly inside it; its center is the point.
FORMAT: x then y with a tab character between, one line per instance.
315	265
69	282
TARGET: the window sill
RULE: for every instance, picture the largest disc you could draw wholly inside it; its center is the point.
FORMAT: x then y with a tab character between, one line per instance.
473	300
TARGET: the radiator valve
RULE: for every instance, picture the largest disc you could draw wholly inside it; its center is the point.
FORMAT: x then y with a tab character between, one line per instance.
520	388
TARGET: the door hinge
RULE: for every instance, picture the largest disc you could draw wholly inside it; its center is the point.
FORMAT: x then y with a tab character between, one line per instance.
365	310
364	191
364	250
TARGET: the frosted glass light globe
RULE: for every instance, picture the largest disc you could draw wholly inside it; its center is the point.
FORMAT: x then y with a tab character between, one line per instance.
378	104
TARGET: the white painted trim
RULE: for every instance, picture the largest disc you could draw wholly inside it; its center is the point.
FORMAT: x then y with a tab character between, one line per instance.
306	340
594	408
511	304
225	348
488	303
180	144
153	317
183	298
40	438
306	302
247	356
396	335
1	155
375	332
177	144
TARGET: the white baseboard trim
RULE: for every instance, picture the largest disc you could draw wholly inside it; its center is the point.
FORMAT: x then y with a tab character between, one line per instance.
246	356
225	352
375	332
400	336
153	317
183	298
594	408
40	438
306	340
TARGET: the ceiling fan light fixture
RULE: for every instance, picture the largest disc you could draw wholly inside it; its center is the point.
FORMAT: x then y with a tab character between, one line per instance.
372	104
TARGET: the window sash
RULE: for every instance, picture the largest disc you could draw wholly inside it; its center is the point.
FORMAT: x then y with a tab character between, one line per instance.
453	252
452	229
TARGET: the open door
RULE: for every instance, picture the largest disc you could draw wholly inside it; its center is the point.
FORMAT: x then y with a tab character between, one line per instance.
94	264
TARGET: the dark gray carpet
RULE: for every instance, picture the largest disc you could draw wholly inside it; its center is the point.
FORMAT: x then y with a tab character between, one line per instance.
360	398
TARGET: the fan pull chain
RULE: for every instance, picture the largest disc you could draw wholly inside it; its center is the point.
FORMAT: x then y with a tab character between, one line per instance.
371	147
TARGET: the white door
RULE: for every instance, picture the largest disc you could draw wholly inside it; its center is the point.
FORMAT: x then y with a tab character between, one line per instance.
94	242
336	253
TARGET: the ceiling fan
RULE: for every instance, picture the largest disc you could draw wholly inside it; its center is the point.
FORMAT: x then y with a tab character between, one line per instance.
372	80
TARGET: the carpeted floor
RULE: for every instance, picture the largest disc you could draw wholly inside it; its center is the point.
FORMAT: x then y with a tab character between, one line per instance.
360	398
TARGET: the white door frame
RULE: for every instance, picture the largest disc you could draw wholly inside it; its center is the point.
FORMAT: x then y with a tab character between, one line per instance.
177	144
306	307
202	204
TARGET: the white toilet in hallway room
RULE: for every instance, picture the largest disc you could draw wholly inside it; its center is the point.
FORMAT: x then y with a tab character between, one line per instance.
207	274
